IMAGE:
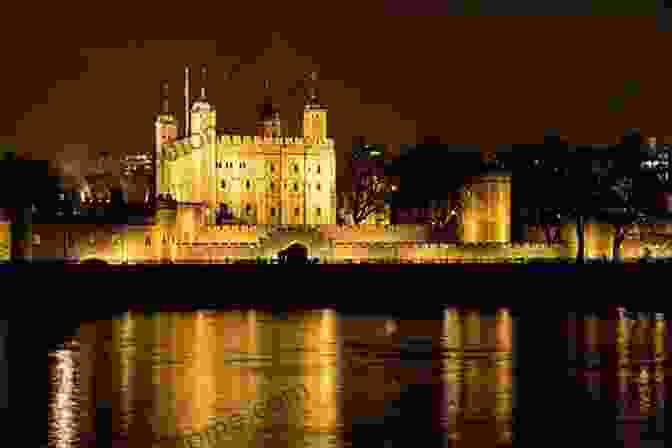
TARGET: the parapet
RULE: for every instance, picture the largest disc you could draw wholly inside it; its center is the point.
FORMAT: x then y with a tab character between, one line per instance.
228	139
378	232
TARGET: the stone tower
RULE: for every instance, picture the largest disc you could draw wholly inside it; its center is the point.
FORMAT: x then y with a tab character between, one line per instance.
203	120
314	115
165	132
487	211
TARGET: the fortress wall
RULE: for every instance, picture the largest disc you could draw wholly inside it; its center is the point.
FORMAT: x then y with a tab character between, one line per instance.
410	251
212	253
5	242
376	232
249	233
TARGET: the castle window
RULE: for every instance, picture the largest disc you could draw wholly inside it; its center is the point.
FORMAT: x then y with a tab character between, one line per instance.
296	211
248	209
247	184
148	241
272	211
296	187
272	186
318	169
272	168
223	184
318	211
319	188
296	168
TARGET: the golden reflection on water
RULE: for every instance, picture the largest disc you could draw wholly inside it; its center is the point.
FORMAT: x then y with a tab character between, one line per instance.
168	375
641	351
64	397
477	376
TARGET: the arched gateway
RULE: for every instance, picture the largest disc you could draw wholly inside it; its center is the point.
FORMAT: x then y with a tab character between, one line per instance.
296	253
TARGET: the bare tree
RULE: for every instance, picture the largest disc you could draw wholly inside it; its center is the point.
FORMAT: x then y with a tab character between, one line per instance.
449	212
367	197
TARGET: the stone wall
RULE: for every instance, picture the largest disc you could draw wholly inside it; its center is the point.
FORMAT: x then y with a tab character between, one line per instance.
161	243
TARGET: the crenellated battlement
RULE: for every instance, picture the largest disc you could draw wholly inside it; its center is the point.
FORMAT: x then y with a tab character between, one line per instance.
183	147
231	139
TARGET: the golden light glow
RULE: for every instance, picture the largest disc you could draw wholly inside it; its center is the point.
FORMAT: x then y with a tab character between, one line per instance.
321	364
504	376
452	366
64	401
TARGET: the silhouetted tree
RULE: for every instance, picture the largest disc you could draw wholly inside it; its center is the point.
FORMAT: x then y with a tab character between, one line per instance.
628	190
367	197
369	183
567	187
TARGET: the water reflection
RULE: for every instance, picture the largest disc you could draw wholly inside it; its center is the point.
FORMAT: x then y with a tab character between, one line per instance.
164	377
638	372
64	397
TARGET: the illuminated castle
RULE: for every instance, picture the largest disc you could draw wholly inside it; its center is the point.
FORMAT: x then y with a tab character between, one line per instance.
224	197
267	178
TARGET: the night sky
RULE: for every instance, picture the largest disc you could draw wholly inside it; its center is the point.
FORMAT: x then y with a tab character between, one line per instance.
395	72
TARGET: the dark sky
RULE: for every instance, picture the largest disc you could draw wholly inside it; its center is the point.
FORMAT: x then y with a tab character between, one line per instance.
392	71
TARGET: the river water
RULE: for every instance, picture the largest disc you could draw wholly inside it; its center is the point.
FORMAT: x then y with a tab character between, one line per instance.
320	378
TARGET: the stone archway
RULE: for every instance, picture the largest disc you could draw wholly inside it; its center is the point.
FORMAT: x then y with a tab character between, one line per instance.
296	253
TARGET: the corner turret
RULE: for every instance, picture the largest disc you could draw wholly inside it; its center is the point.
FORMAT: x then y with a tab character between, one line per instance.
165	133
268	123
314	114
203	115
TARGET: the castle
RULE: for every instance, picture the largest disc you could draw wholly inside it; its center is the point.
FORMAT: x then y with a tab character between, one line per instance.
267	178
224	197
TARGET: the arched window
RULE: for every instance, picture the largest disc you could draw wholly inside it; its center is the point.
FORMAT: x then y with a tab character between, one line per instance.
247	184
318	169
296	211
148	241
296	168
318	211
319	188
296	187
272	168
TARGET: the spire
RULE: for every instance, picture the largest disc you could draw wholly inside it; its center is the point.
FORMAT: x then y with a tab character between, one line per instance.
312	90
204	79
164	98
186	101
267	109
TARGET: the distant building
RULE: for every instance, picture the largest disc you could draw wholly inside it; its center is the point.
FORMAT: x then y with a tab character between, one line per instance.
137	164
